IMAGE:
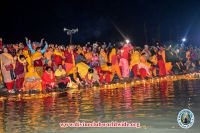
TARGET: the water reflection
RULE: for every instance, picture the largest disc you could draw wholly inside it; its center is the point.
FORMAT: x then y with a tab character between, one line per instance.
146	103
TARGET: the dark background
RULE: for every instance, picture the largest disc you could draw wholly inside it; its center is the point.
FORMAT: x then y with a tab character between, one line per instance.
143	21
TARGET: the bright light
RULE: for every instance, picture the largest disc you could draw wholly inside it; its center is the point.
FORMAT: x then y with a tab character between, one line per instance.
184	39
127	41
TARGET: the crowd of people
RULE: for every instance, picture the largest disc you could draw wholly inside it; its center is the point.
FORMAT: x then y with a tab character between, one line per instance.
43	67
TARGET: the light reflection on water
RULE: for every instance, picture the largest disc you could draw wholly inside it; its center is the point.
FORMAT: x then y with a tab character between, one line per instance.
154	106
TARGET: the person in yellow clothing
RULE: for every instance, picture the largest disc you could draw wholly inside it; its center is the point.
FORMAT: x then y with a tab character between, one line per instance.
28	58
82	69
61	77
32	81
135	58
113	59
37	62
168	65
88	55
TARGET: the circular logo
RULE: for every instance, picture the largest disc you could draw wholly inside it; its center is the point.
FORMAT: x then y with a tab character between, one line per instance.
185	118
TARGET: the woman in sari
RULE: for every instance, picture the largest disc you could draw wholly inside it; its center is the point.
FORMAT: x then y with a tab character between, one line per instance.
7	69
124	60
37	60
32	80
61	77
20	70
48	79
105	67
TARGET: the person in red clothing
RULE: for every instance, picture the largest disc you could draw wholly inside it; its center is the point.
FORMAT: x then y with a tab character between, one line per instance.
20	69
161	64
124	60
57	58
69	59
48	79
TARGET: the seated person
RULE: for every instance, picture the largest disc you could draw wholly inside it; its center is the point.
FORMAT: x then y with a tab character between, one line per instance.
92	77
32	80
61	77
75	76
48	79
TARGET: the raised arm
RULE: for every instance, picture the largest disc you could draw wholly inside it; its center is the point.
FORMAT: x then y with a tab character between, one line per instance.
45	47
41	42
28	43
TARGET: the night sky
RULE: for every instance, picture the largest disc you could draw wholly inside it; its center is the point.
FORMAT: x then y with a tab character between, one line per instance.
100	20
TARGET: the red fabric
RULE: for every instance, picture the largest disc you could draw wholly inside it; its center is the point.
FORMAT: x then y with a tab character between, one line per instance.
19	68
19	83
68	57
10	85
107	78
114	59
38	63
143	73
57	59
48	79
135	70
126	50
162	69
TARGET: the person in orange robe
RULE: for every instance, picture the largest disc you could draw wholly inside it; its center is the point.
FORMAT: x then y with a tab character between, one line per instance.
69	59
161	64
113	59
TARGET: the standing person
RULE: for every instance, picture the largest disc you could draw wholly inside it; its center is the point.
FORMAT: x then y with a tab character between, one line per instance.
37	61
69	59
48	56
124	60
20	70
113	59
57	58
7	68
37	57
161	64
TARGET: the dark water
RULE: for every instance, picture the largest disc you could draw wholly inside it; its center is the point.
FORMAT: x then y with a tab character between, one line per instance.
154	106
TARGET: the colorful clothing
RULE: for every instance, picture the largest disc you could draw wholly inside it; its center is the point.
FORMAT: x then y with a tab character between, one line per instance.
48	80
32	80
7	69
